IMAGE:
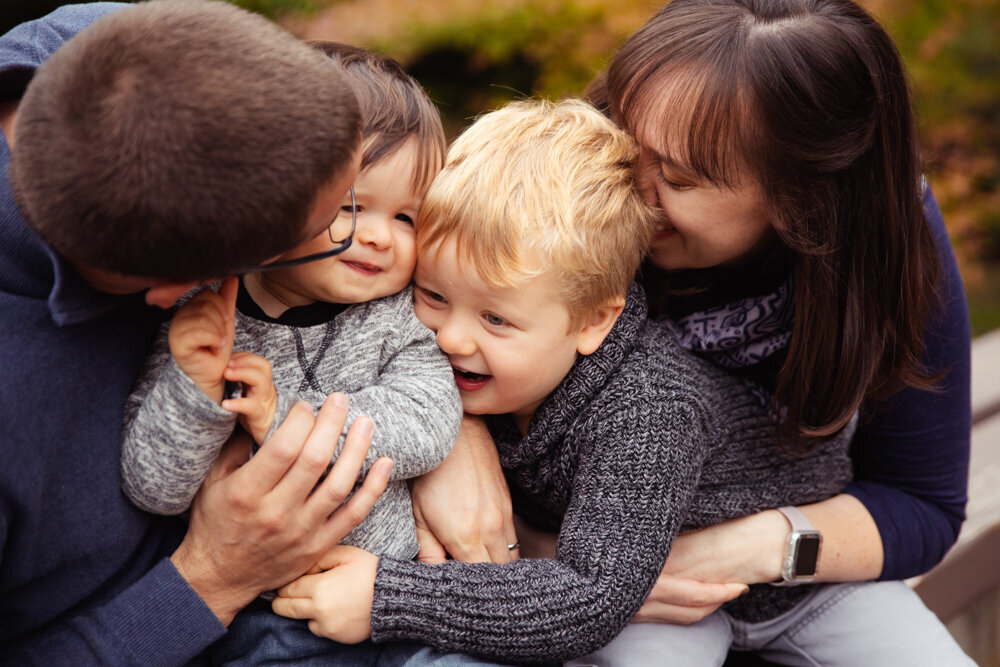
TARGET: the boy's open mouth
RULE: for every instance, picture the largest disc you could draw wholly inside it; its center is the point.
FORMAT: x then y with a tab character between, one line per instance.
468	381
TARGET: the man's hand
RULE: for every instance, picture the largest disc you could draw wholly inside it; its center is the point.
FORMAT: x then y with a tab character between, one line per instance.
463	507
201	337
259	525
260	399
337	602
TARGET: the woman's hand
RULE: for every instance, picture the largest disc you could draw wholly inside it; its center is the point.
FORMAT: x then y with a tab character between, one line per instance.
709	567
463	507
337	602
684	601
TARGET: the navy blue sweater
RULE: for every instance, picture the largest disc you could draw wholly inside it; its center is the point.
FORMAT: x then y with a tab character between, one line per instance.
911	460
84	575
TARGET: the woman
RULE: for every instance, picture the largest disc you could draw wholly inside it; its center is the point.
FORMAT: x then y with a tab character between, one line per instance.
778	140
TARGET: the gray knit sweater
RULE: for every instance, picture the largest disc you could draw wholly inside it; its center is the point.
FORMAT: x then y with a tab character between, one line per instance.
376	352
639	440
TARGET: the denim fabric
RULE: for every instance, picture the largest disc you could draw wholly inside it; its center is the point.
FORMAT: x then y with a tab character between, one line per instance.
838	625
258	636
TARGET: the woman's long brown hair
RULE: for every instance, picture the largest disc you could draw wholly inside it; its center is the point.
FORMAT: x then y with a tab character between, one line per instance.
808	97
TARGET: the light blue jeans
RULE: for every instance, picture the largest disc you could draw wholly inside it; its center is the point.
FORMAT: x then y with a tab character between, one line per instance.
838	625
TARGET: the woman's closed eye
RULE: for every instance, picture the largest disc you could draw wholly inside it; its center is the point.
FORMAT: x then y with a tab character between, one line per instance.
672	181
346	208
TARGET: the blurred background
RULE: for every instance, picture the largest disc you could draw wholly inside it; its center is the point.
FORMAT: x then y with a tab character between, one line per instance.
472	56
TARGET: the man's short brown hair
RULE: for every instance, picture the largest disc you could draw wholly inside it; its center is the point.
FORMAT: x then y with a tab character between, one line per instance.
180	140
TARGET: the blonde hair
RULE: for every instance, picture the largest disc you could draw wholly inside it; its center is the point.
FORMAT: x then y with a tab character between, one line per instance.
538	186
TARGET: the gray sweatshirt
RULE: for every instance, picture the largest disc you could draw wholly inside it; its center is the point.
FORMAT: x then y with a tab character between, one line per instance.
376	352
640	439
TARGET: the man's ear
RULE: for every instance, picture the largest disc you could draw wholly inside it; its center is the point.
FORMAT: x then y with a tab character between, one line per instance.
596	329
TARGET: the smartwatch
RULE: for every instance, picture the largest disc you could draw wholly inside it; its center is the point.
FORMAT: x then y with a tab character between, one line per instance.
801	551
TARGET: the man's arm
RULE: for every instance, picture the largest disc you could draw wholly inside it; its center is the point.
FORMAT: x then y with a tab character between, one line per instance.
253	527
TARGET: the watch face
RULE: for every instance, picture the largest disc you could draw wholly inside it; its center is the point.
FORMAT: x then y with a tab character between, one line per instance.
806	555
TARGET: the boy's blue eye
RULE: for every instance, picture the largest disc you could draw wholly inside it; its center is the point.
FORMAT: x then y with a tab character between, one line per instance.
433	296
494	320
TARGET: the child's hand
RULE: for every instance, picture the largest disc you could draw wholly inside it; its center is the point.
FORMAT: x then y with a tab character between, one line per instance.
201	337
260	399
337	602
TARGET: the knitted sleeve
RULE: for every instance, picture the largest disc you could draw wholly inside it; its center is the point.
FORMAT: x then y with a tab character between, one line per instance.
638	465
171	436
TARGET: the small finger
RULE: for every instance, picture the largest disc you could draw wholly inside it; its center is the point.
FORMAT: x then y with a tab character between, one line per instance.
202	338
243	359
691	593
293	607
251	375
672	614
197	321
242	406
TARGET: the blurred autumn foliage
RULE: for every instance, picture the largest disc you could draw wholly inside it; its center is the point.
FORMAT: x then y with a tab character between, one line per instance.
472	56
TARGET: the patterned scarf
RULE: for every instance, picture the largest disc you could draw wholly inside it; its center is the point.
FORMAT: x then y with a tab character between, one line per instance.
741	333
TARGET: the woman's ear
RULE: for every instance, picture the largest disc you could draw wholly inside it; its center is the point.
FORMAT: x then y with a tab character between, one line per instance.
596	329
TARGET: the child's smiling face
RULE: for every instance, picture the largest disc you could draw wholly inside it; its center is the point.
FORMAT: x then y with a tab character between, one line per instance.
382	255
509	347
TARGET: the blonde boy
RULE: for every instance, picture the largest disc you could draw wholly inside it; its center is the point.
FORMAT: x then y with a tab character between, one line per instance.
528	242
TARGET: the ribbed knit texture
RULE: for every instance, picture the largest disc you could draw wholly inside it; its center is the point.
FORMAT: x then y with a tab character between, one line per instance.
376	352
639	439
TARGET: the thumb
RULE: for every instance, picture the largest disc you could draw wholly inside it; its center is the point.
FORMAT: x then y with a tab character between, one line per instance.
234	453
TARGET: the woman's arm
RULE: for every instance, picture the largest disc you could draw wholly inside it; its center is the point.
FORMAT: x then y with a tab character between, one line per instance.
912	459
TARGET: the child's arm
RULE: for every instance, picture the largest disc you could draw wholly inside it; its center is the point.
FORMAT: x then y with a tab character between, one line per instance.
201	338
174	427
413	402
626	504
